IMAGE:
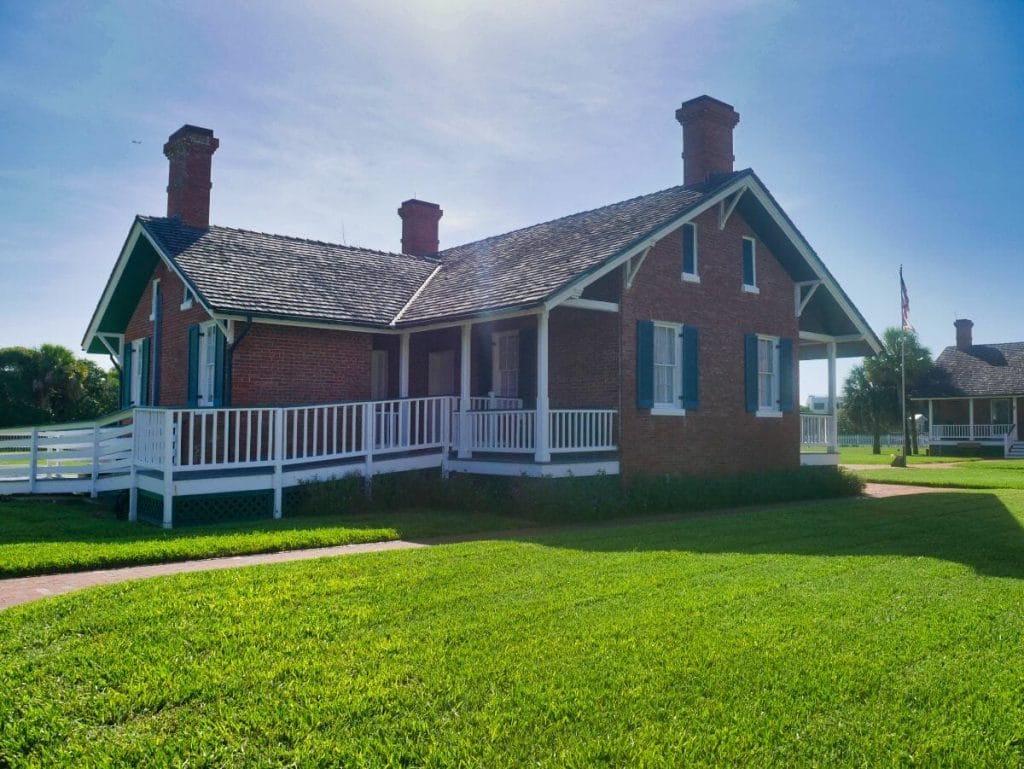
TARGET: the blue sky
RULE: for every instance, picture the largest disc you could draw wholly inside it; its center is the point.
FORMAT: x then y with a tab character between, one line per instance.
891	133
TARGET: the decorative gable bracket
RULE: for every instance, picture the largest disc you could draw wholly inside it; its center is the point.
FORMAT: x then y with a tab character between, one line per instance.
726	206
114	344
803	291
634	265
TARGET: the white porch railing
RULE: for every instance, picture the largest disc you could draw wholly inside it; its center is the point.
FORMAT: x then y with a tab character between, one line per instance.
816	429
969	432
154	449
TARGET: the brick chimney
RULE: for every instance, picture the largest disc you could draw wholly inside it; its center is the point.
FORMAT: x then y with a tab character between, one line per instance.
419	227
190	152
707	138
963	333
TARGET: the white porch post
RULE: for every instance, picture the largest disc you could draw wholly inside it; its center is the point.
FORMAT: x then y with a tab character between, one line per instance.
931	418
970	415
464	391
833	425
403	365
403	389
541	451
168	446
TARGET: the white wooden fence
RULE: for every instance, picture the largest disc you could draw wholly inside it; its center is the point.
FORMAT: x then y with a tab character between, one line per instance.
79	457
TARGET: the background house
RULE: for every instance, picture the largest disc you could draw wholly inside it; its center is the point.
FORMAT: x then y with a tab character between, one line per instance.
971	396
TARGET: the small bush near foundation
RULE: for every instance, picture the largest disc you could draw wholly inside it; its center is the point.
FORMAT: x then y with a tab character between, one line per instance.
567	500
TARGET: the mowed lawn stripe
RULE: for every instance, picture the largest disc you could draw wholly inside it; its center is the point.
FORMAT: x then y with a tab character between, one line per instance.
859	633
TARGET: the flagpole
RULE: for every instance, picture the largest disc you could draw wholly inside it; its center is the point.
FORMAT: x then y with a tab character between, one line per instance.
903	366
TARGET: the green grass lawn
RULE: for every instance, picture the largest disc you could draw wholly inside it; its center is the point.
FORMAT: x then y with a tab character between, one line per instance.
984	474
38	537
845	633
861	455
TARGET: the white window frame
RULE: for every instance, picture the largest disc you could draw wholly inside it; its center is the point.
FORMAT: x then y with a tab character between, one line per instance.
186	299
692	277
207	374
509	388
775	374
154	299
135	386
750	288
673	406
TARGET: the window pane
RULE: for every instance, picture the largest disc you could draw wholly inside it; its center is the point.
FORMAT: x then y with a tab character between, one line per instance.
748	262
689	249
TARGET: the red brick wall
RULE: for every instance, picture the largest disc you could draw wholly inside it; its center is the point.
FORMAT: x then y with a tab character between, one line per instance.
174	334
720	437
285	365
583	358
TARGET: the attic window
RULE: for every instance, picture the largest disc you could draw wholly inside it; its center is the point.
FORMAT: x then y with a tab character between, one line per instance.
749	266
155	305
690	253
186	299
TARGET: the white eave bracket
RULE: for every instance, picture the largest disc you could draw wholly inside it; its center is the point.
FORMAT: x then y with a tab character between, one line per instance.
726	206
634	265
114	344
804	290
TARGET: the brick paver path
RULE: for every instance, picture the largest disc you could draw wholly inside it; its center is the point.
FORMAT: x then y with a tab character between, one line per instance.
24	589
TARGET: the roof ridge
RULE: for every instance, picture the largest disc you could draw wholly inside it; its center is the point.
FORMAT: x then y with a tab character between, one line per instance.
703	187
295	238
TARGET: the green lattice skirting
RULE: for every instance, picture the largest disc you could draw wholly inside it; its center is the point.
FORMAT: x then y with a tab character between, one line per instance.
208	508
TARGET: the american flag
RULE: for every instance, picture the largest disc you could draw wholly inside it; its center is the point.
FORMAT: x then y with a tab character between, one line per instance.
904	303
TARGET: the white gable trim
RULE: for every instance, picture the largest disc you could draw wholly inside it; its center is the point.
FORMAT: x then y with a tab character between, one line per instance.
815	264
640	248
137	231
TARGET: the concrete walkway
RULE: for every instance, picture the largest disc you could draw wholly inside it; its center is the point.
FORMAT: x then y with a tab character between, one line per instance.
25	589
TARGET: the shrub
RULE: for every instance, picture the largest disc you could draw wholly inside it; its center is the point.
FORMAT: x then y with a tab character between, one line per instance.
567	500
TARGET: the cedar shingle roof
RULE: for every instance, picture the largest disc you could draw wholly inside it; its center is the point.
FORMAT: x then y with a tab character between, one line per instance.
526	266
273	275
244	272
983	370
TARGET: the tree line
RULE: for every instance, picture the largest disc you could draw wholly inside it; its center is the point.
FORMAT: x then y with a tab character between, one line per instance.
50	384
871	394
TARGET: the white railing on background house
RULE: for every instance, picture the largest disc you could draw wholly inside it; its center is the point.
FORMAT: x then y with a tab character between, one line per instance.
1009	439
968	432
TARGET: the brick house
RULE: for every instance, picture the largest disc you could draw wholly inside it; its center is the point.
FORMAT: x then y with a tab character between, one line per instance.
660	334
972	394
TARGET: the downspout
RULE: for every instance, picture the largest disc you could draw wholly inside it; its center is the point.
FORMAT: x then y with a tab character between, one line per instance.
229	361
158	314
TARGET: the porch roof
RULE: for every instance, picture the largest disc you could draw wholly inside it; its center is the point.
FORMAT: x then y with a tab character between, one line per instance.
982	370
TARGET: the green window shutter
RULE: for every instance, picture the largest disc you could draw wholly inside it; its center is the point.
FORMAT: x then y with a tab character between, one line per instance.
528	367
481	353
644	364
143	364
786	374
193	366
691	368
690	249
748	262
750	370
126	377
218	370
